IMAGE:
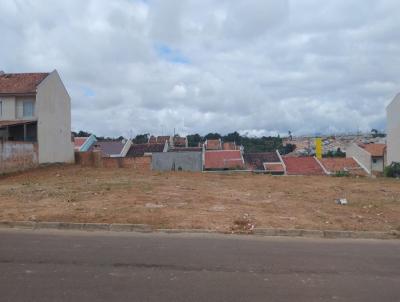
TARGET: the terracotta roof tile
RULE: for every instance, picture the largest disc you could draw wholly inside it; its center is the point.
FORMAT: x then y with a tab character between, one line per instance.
276	167
79	141
229	146
374	149
20	83
213	144
223	159
255	161
14	123
334	165
302	166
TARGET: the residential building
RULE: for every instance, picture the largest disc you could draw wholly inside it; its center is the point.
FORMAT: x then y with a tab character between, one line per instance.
179	141
83	144
213	144
35	108
333	165
393	130
112	148
265	162
372	157
138	150
306	165
223	160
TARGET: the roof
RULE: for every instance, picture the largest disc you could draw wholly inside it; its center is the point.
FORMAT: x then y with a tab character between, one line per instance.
213	144
20	83
108	148
302	166
79	141
180	141
137	150
159	139
15	123
275	167
377	150
336	164
229	146
186	149
255	161
226	159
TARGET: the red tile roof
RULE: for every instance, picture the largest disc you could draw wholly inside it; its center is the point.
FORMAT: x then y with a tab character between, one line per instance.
79	141
333	165
20	83
185	149
213	144
180	141
377	150
229	146
302	166
159	139
228	159
255	161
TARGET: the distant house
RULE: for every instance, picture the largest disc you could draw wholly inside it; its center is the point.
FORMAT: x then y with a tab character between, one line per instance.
393	130
306	165
137	150
112	148
266	162
230	146
35	109
213	144
334	165
82	144
179	141
161	139
223	160
372	157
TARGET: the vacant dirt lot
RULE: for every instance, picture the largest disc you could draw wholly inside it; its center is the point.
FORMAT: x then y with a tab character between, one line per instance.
195	200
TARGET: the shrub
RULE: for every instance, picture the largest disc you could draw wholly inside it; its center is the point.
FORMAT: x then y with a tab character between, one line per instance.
393	170
341	173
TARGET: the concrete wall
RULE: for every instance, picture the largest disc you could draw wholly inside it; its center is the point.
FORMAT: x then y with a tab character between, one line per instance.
17	156
379	165
360	155
53	108
393	130
8	108
176	161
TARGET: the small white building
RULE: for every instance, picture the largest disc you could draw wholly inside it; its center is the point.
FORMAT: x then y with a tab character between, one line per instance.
35	108
393	130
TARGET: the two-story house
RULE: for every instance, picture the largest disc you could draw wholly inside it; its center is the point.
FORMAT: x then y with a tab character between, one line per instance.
36	107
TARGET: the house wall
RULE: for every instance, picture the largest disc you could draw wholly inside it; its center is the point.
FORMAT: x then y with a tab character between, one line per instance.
17	156
378	166
173	161
8	108
53	107
393	130
360	155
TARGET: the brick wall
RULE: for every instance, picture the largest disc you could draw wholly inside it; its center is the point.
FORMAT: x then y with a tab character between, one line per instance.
18	156
94	159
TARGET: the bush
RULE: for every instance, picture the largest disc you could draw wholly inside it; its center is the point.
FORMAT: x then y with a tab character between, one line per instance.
393	170
341	173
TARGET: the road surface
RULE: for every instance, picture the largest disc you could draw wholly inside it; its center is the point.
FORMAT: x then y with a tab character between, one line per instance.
82	266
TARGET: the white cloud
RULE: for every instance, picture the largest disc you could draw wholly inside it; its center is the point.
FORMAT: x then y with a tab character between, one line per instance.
256	66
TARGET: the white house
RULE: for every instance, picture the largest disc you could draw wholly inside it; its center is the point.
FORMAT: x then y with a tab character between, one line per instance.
393	130
36	108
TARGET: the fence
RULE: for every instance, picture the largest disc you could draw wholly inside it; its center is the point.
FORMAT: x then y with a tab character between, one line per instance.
18	156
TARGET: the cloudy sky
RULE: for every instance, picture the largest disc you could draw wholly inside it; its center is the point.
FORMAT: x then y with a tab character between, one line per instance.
257	66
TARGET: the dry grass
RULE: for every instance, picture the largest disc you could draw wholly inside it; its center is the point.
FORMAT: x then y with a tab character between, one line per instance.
195	200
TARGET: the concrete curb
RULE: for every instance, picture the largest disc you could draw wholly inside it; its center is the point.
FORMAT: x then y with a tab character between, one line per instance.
144	228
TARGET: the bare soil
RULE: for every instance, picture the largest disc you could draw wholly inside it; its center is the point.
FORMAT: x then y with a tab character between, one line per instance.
223	202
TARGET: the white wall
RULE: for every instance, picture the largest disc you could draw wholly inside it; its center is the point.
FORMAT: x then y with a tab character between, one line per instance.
8	108
53	108
393	130
360	155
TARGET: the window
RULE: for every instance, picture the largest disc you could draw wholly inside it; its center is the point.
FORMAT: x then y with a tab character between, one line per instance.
374	160
27	108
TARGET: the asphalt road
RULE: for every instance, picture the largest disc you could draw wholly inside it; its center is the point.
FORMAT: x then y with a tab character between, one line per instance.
79	266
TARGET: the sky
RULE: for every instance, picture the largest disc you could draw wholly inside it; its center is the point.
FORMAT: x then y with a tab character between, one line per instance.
261	67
